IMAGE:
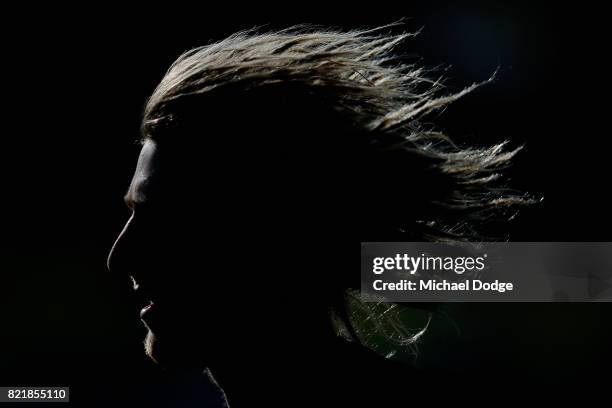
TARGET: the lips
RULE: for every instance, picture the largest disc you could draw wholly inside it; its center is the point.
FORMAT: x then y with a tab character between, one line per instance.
146	310
143	297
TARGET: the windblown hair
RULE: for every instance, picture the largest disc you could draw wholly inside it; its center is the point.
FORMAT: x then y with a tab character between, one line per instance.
357	75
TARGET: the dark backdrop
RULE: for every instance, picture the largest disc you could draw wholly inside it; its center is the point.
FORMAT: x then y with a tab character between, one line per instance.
75	83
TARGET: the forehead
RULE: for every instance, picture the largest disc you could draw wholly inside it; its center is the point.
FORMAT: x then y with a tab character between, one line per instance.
146	159
145	170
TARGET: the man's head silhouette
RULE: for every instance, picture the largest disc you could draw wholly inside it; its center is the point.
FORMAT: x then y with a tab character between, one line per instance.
265	159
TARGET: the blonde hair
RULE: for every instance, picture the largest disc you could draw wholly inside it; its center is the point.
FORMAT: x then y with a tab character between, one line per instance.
357	75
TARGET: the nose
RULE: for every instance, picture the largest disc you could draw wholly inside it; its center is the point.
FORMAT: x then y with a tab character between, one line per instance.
115	259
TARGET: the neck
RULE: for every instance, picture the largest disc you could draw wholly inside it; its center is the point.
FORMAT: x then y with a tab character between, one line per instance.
274	376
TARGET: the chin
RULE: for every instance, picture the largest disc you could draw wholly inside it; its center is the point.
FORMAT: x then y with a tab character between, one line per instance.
150	342
170	353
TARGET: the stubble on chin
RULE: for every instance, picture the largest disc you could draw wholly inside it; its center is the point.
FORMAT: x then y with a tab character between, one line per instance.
172	354
149	345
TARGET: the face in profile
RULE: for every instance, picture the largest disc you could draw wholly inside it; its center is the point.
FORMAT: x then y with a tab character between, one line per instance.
135	251
169	248
266	160
195	247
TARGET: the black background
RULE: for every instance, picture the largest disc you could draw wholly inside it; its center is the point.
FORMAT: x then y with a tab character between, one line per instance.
74	84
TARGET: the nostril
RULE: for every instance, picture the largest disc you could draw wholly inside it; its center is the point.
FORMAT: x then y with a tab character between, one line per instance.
135	284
